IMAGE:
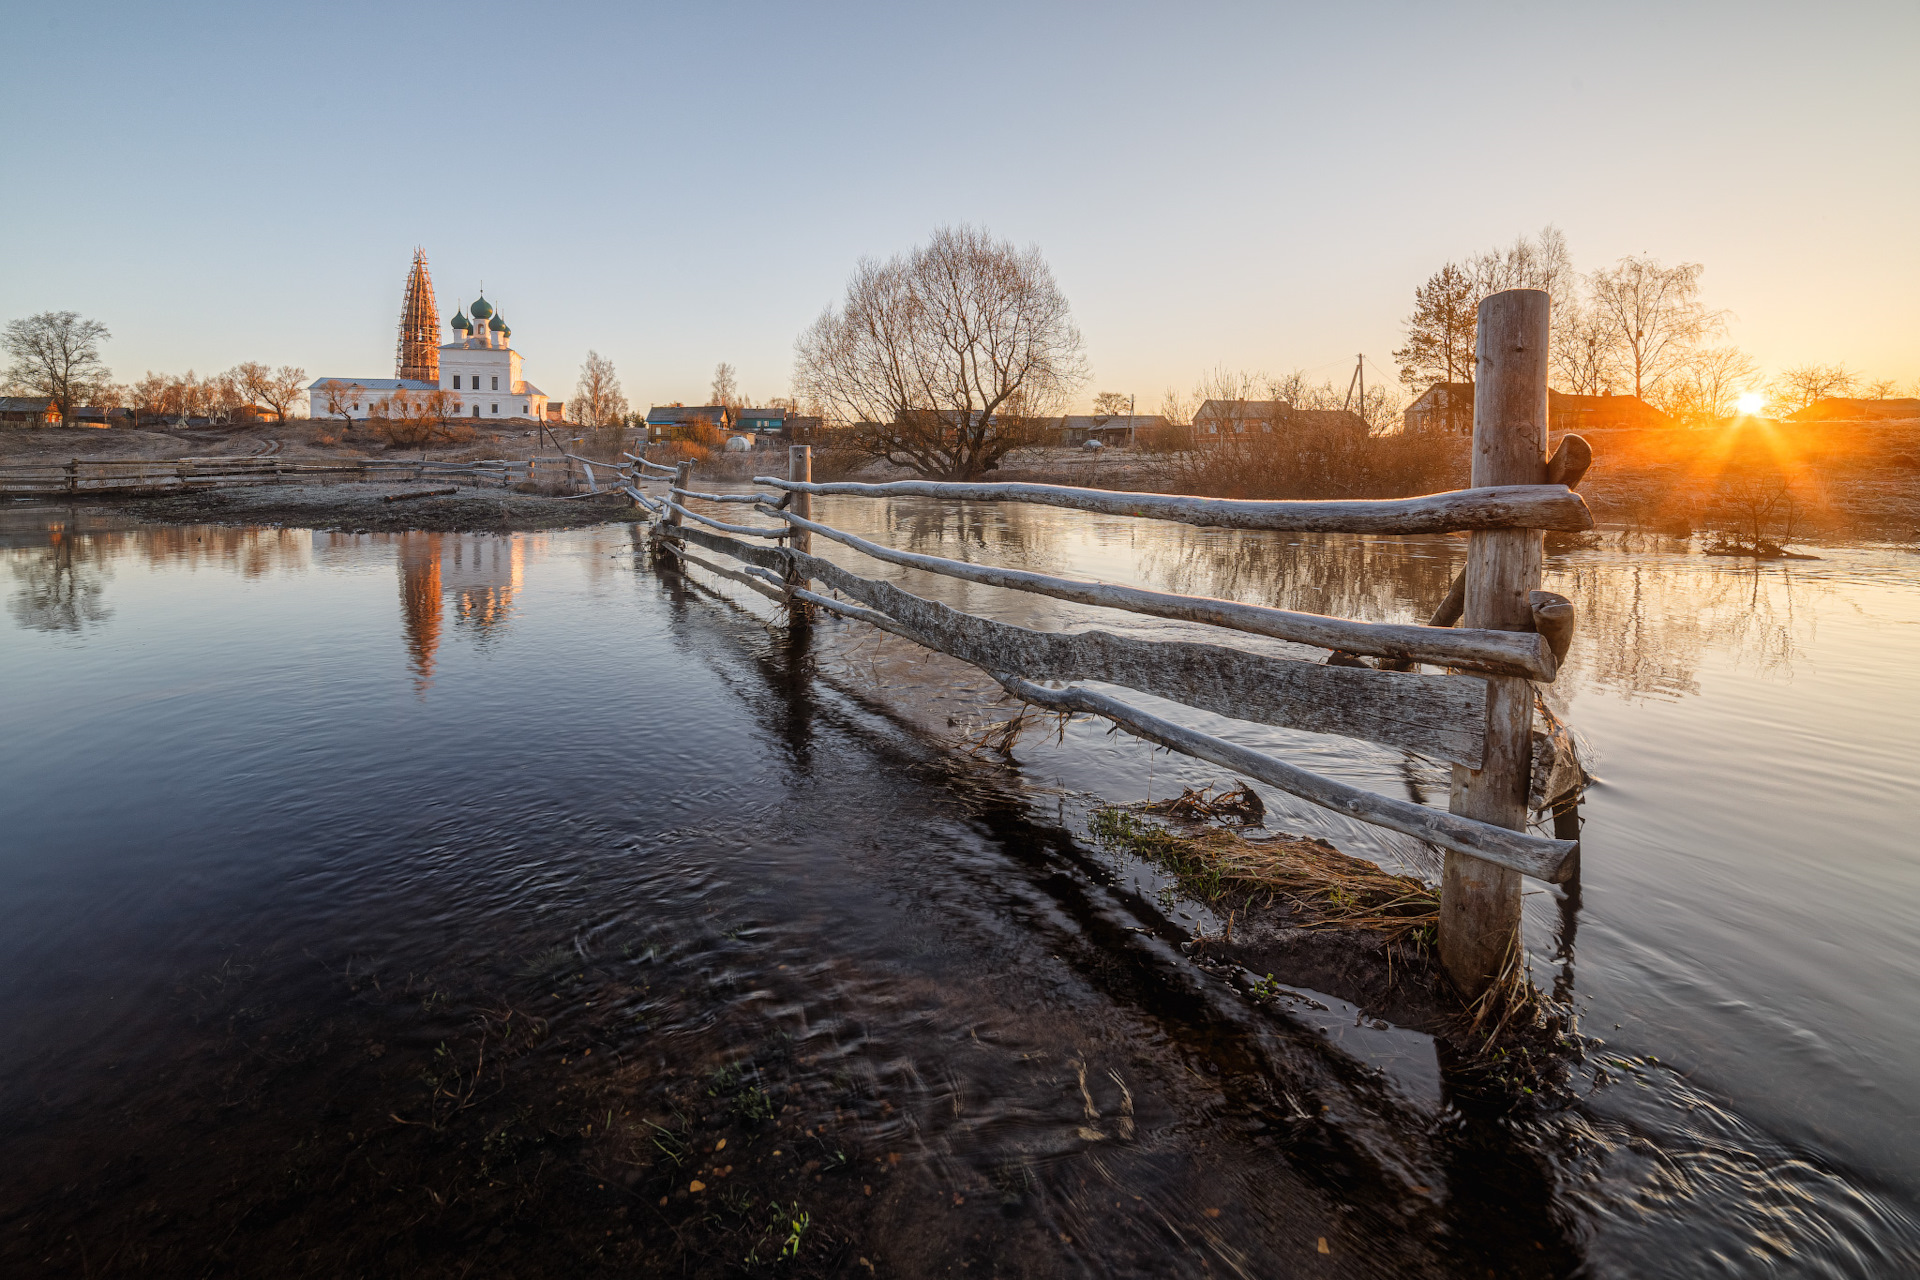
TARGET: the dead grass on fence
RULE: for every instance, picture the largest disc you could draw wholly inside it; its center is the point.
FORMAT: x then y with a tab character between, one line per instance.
1323	887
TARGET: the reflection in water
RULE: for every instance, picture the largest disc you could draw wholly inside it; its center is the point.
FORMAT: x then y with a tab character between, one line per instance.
60	585
420	603
480	571
63	564
1646	622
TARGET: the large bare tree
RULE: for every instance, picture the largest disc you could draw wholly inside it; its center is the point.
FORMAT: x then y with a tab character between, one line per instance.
1654	315
597	399
56	354
947	358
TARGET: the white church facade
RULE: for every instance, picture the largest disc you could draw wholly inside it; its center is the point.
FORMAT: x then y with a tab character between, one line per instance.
478	369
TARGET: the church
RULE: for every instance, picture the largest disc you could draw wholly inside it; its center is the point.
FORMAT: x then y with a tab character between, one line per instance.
476	367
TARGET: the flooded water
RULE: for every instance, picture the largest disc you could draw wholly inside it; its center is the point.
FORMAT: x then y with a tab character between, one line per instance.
426	904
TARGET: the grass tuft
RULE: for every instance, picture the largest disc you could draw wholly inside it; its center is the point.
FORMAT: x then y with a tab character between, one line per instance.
1324	887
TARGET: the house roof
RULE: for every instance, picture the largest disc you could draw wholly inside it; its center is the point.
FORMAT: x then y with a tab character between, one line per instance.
662	415
760	413
378	384
25	404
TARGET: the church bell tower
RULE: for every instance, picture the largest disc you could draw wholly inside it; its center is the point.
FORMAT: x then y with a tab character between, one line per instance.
419	351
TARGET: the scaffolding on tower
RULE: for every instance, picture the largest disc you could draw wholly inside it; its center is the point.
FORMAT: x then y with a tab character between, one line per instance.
418	356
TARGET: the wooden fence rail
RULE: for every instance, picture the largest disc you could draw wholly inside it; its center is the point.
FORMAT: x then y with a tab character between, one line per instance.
1477	716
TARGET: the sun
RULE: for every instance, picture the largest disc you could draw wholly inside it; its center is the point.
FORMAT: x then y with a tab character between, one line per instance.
1751	402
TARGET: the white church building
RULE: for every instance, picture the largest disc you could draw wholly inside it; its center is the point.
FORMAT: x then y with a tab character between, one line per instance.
478	370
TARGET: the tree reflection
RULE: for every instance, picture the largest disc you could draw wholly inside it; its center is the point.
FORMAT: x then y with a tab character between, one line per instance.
61	584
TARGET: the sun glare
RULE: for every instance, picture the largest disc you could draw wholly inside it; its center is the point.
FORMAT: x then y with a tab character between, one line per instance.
1752	402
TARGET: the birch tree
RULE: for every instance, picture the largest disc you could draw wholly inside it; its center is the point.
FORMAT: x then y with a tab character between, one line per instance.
597	399
1654	315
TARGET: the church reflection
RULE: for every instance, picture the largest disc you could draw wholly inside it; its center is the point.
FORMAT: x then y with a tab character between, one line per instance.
481	572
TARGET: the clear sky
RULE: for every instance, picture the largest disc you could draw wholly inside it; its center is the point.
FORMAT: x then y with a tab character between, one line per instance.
1259	186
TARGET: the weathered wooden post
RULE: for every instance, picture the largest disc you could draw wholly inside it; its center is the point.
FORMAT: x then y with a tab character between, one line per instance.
1479	901
799	467
73	476
682	479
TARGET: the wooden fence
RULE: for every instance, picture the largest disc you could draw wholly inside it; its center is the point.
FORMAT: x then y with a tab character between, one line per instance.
1476	713
82	476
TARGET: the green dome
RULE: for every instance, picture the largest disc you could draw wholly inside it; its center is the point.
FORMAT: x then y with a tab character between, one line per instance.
498	325
482	309
460	321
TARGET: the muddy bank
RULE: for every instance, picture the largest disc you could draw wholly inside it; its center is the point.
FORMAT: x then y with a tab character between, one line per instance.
363	508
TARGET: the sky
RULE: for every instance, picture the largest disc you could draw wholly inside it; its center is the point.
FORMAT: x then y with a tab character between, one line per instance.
1249	186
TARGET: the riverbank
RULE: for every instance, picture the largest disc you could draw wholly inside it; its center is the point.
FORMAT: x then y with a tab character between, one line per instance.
355	507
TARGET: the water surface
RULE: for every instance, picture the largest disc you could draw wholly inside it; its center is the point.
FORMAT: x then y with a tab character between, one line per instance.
300	825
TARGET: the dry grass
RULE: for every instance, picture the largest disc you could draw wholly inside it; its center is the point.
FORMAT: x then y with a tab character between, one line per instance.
1323	888
1315	462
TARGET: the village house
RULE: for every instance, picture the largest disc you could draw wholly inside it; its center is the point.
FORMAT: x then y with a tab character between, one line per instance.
1446	408
680	421
1237	417
28	411
760	422
1075	429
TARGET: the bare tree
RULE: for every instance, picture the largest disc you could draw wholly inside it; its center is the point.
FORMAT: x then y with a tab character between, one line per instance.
55	354
597	400
726	387
148	397
1176	408
1112	404
945	359
225	397
1882	389
1803	384
1708	386
1586	351
1655	317
343	398
276	388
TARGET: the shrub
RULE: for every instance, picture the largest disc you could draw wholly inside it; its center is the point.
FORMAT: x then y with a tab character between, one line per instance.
1318	462
420	433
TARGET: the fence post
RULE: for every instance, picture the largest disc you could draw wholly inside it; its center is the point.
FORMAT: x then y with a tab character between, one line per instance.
682	478
1479	901
799	467
73	476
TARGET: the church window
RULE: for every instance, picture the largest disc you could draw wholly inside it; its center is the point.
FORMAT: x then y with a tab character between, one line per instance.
476	411
496	385
494	408
456	382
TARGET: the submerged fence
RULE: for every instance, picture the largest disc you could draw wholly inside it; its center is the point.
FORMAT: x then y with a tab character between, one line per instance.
1477	713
